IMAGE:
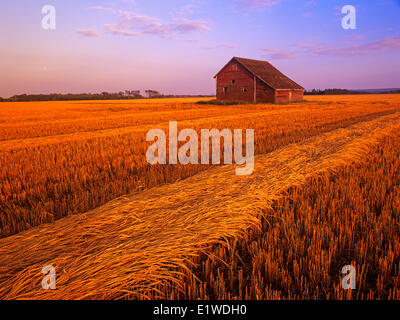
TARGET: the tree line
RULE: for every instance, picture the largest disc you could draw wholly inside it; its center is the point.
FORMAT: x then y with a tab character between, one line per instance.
122	95
345	91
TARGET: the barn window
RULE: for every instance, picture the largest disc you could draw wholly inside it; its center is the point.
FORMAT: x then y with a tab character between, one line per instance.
234	67
233	81
244	89
225	89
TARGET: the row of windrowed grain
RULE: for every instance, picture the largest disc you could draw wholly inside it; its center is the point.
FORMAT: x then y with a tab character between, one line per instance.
47	182
349	218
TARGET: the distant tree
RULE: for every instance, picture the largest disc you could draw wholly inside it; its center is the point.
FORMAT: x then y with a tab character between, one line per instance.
136	93
133	94
153	94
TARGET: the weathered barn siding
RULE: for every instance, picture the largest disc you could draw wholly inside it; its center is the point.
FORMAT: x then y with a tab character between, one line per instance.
264	93
255	81
283	96
297	95
287	96
243	87
235	83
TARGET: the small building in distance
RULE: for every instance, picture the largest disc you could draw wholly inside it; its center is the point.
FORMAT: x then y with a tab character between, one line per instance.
255	81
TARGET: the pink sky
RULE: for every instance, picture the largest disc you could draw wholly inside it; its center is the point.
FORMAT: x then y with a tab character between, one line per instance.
177	46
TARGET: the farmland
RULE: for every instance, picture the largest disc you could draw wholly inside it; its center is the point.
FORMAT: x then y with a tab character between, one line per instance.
76	192
64	158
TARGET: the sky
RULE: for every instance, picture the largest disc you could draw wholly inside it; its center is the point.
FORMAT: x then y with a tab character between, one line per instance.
177	46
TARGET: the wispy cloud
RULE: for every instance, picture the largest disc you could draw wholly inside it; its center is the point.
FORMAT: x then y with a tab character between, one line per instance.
114	30
364	49
256	4
220	46
185	10
89	33
278	54
188	26
103	9
154	26
335	49
130	24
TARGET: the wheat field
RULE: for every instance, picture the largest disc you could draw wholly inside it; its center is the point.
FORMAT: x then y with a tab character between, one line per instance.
76	192
64	158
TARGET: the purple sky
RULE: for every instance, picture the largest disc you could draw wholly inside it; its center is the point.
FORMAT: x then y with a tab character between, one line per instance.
177	46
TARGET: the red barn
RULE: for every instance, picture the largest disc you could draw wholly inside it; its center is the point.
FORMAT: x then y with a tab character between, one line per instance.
255	81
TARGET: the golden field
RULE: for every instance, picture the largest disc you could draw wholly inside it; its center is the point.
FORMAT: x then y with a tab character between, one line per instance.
324	194
63	158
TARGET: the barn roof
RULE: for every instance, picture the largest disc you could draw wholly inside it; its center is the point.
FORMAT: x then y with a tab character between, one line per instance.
267	73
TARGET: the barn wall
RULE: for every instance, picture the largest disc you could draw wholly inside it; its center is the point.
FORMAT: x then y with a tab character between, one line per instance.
297	95
283	96
287	96
243	80
264	93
